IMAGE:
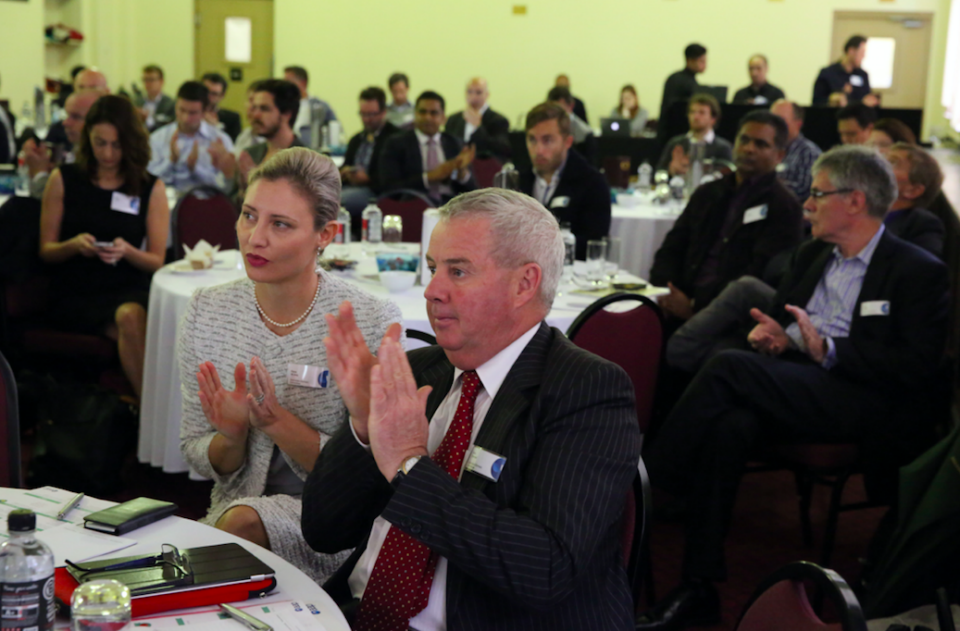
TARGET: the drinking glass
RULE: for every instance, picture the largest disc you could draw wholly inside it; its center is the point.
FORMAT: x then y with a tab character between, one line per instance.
100	605
596	257
612	265
392	229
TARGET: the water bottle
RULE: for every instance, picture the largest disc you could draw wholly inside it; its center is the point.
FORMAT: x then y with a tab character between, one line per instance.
694	175
372	223
343	230
508	177
644	176
26	576
569	248
23	177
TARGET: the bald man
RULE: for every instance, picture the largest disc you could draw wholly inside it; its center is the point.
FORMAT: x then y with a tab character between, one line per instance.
481	126
40	159
91	79
759	92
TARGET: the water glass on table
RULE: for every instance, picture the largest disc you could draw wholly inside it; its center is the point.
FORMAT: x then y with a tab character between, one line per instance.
596	261
612	265
392	229
100	605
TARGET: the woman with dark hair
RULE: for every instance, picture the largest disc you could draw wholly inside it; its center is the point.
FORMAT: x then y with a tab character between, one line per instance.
103	230
629	108
889	131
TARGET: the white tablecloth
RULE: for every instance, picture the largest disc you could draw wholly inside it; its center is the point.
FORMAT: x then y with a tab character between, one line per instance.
641	227
292	584
160	406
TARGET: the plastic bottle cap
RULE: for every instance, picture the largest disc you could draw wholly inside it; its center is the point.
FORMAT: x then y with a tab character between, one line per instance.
21	520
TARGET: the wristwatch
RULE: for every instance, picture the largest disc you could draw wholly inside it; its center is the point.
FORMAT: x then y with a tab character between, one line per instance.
404	469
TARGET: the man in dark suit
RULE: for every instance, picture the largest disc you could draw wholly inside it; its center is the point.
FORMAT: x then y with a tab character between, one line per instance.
425	159
703	113
226	120
561	179
919	179
857	329
481	126
681	85
563	81
760	91
156	108
502	510
8	136
730	227
846	79
361	166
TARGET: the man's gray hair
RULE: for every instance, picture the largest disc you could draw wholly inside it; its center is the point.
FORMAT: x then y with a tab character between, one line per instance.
523	232
313	175
861	169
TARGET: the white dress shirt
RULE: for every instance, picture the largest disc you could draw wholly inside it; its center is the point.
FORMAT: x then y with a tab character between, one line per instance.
708	137
542	190
469	128
424	139
11	134
151	107
492	374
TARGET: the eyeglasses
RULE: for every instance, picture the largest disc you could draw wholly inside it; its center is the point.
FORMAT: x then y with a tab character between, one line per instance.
817	193
169	556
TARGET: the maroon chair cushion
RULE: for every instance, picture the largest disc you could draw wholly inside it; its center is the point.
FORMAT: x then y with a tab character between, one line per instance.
410	212
634	341
783	607
213	219
484	169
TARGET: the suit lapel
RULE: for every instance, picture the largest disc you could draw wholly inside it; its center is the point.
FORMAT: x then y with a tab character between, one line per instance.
876	274
805	288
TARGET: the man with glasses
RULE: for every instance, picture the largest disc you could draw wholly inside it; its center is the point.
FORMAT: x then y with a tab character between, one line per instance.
850	341
425	159
42	162
156	108
223	119
361	166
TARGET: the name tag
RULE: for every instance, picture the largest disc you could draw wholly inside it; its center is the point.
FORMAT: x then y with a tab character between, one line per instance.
757	213
875	308
560	202
485	463
760	100
856	81
307	376
125	203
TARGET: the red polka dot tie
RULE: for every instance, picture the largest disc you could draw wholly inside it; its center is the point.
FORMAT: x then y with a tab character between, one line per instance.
399	586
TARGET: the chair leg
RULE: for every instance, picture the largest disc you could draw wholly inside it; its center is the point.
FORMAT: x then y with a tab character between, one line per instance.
833	516
804	482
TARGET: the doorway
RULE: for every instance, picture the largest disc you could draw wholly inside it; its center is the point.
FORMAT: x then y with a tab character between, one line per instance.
898	52
235	38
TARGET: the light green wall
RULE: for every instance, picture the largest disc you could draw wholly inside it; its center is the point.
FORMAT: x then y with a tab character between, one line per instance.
21	56
348	44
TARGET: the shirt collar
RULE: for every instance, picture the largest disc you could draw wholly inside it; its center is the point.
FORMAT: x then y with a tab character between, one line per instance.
866	254
422	138
556	175
708	138
206	131
494	371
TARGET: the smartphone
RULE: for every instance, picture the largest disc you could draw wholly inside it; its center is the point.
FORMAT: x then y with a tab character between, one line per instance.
103	244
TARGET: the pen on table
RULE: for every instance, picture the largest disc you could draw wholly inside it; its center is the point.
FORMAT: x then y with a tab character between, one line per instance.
245	619
70	505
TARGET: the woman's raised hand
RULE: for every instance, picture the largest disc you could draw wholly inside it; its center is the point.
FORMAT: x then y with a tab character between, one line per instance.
227	410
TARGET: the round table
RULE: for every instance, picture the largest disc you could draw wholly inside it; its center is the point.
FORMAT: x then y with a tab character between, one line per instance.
641	226
160	404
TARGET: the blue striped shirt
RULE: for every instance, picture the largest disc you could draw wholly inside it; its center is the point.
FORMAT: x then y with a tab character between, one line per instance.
833	301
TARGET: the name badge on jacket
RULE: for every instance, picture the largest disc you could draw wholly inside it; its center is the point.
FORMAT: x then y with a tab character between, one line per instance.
875	308
856	81
307	376
757	213
125	203
560	202
485	463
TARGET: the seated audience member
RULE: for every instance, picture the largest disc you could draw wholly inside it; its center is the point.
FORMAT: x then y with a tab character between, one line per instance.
629	108
584	139
91	79
732	226
424	158
479	125
400	110
297	75
259	441
361	166
96	214
84	80
275	105
759	92
191	151
846	78
801	153
8	137
854	123
247	138
703	113
40	161
919	179
540	547
562	180
156	108
223	119
888	131
563	81
855	331
681	85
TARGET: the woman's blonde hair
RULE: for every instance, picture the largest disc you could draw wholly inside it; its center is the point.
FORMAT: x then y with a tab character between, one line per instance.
313	175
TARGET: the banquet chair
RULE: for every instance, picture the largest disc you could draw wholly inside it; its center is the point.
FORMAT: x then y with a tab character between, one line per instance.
204	212
781	602
484	169
9	428
420	336
634	528
409	205
633	340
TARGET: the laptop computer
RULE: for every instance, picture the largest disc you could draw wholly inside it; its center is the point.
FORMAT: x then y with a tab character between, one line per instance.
615	126
718	92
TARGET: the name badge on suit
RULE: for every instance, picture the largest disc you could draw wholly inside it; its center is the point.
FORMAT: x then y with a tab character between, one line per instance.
125	203
856	81
757	213
875	308
560	202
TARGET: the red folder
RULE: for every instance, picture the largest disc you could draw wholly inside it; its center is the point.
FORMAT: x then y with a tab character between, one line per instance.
181	599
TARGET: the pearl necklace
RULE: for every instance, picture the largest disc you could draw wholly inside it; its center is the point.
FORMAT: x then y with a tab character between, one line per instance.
283	326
